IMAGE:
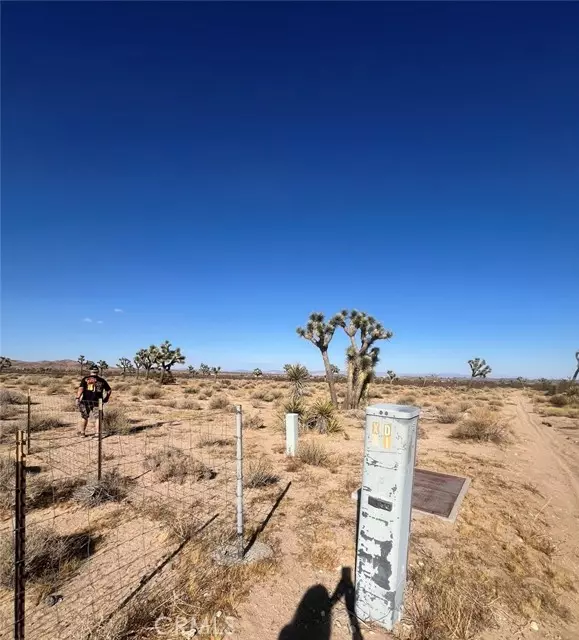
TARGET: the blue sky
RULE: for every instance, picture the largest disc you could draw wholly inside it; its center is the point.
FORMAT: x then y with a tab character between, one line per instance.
218	171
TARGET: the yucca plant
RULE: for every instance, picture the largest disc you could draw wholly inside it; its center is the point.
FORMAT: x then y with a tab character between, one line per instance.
321	416
297	374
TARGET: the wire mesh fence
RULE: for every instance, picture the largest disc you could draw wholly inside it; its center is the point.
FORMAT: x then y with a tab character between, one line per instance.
108	509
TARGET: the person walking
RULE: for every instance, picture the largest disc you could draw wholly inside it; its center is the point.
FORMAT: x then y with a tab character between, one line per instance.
92	388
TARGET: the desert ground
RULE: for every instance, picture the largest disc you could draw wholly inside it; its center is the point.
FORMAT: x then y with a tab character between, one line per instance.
507	568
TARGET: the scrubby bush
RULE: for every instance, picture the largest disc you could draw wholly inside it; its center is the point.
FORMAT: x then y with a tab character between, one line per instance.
408	399
172	464
253	421
48	554
152	392
448	415
313	453
559	400
113	487
7	396
483	425
115	420
7	475
219	402
190	405
260	474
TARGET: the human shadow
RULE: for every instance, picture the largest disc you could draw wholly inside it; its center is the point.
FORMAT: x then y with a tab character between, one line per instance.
313	617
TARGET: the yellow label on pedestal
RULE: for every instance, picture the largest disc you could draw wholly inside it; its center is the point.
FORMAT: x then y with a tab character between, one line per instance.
381	435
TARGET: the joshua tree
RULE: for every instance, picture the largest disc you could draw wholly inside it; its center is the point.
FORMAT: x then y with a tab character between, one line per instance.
335	370
576	370
124	364
5	363
320	334
391	376
257	373
361	358
479	368
192	371
167	357
102	365
297	374
204	369
138	361
215	371
82	361
147	358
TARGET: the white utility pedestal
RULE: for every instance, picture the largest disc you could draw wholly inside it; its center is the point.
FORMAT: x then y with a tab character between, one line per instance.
385	511
292	423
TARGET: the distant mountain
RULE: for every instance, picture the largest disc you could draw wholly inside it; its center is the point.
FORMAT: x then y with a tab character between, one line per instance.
45	364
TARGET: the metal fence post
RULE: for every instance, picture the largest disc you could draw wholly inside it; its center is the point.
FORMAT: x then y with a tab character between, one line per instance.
100	441
28	423
239	486
19	537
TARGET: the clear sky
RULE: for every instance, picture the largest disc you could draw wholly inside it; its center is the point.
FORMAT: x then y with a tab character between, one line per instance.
218	171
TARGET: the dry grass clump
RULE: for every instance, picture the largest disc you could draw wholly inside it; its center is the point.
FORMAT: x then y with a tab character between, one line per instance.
189	405
321	416
448	415
7	396
407	399
115	421
266	396
219	402
152	392
559	400
463	406
55	389
482	425
7	479
260	474
42	491
113	487
170	404
313	453
172	464
9	411
190	390
450	598
253	421
49	557
210	440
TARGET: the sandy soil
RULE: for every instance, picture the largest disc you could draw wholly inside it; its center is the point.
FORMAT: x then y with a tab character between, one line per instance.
519	523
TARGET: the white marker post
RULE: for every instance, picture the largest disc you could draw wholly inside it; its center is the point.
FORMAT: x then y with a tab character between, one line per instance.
385	511
291	433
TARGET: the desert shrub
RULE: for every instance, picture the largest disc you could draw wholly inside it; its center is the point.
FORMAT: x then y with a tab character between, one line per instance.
7	477
136	391
43	423
253	421
48	555
190	405
448	415
54	389
483	425
115	420
321	416
190	390
463	406
407	399
219	402
260	474
152	392
171	404
266	396
8	411
172	464
559	400
210	440
312	453
7	396
43	492
208	392
113	487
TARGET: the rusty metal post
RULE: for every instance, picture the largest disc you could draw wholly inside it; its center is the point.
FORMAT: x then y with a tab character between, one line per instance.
100	441
20	537
28	423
